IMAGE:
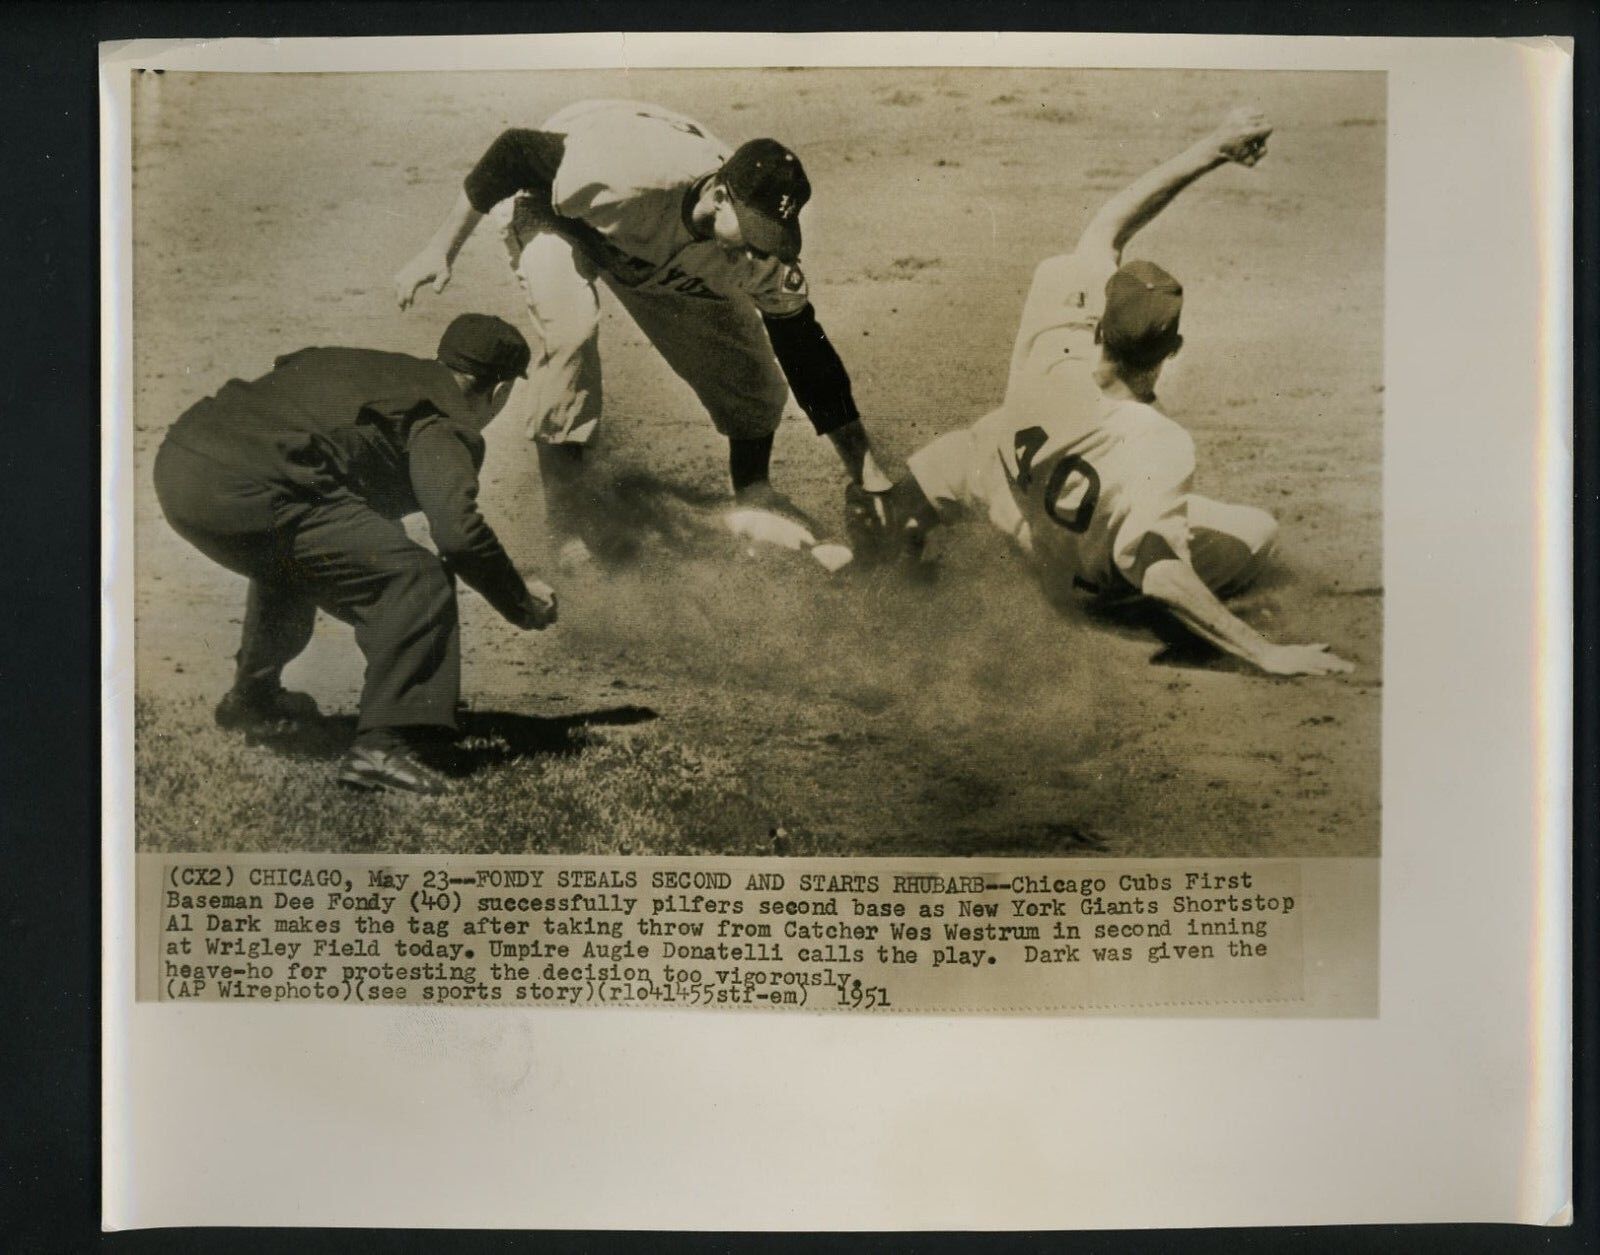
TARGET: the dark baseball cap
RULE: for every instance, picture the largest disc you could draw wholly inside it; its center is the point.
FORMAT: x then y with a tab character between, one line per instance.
769	188
481	344
1143	303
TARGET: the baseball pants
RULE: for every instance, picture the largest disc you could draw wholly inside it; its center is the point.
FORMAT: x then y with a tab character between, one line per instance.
337	554
1229	545
718	347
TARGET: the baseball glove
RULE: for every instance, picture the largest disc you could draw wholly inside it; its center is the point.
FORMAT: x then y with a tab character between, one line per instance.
887	528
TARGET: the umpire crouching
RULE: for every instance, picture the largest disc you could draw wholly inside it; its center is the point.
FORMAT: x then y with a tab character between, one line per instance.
297	479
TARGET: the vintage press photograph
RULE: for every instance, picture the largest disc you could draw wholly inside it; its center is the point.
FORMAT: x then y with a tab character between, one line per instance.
877	462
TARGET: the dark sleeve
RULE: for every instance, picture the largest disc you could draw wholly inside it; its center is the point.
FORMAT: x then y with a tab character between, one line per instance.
519	161
444	478
291	359
816	376
406	390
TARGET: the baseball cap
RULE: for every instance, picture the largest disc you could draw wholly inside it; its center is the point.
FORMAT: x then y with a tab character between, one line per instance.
1143	303
481	344
769	188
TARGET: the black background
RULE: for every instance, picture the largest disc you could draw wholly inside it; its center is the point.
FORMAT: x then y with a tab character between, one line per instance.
49	519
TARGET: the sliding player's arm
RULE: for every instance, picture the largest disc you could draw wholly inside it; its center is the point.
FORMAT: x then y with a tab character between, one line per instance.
1151	552
1057	336
1241	138
1175	584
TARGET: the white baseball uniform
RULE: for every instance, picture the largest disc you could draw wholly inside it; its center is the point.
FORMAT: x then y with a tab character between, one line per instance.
1094	488
618	211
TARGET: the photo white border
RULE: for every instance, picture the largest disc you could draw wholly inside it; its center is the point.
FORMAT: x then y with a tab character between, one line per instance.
1453	1105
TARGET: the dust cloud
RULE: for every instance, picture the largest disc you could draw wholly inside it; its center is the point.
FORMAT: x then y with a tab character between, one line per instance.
969	648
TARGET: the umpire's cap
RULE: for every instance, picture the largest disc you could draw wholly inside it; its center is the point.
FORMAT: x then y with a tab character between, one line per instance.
769	188
1140	324
481	344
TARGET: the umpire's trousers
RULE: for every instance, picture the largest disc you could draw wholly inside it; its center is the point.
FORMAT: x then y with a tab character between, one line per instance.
334	552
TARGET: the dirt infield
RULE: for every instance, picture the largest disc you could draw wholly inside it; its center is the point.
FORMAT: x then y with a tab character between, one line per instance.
792	711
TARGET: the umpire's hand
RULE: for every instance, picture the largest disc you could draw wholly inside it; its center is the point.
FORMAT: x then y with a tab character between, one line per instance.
541	609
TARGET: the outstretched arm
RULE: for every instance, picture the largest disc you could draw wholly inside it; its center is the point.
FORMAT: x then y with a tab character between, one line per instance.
517	160
445	483
1241	138
854	448
1174	583
821	388
1057	336
432	263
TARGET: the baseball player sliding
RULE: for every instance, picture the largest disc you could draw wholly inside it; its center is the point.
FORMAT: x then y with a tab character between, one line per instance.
699	243
1079	466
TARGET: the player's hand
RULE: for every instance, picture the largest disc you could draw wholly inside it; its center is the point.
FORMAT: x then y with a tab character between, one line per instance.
542	612
1303	660
1242	137
884	528
866	525
423	268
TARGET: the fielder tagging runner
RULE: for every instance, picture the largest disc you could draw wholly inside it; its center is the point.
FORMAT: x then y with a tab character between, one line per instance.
701	246
1079	466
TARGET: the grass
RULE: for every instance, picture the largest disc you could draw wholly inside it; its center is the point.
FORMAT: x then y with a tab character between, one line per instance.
603	783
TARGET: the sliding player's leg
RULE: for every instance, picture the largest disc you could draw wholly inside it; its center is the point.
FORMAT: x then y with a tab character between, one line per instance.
1229	545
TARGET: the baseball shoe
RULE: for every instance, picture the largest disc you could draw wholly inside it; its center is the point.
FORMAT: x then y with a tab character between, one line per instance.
397	770
241	710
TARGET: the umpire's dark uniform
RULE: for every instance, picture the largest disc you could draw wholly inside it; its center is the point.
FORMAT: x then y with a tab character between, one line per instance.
296	480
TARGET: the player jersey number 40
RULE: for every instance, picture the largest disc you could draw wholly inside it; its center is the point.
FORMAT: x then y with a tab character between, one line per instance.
1070	486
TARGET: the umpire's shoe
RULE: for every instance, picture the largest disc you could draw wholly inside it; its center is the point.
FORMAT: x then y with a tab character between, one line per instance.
397	770
264	710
